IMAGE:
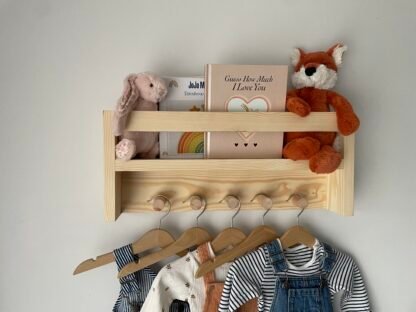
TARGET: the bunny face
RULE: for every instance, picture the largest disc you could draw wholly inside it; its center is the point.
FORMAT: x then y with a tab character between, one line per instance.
151	88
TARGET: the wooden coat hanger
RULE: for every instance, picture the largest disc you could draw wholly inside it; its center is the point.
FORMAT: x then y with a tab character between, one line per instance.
230	236
259	236
194	236
298	234
155	238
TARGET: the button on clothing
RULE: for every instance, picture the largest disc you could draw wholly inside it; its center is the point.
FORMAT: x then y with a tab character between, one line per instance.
301	294
254	276
135	286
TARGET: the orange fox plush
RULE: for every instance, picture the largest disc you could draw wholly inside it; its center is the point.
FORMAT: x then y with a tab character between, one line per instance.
315	74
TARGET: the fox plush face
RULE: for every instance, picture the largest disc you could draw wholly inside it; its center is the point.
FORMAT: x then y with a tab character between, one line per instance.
317	69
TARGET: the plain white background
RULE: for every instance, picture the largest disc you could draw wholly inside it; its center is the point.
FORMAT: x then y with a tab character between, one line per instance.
63	62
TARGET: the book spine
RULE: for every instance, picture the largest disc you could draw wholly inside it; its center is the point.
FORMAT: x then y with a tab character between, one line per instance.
207	108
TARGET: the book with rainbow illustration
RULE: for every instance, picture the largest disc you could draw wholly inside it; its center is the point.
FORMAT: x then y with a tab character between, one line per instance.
184	94
245	88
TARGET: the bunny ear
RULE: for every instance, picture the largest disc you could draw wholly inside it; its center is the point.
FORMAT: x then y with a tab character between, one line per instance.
296	56
130	93
125	104
337	52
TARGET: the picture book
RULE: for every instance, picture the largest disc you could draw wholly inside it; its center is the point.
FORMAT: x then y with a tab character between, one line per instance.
185	94
245	88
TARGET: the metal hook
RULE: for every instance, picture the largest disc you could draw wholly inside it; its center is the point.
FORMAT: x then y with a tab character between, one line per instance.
264	215
270	205
200	214
238	207
300	201
299	214
203	205
165	200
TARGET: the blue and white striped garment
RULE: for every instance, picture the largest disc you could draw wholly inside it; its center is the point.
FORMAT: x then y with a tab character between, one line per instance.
253	276
136	286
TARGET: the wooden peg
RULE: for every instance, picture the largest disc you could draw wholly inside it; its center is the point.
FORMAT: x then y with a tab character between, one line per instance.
299	200
196	202
264	201
233	202
159	202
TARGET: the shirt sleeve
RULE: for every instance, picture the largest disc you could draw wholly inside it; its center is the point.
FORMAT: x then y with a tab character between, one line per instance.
346	276
243	281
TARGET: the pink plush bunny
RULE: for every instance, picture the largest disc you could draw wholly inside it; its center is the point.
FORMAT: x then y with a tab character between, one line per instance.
142	92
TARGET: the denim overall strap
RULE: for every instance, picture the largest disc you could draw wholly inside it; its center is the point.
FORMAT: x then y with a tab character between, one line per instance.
329	258
277	258
123	256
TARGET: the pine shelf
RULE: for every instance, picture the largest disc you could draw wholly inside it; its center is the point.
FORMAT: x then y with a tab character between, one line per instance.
129	184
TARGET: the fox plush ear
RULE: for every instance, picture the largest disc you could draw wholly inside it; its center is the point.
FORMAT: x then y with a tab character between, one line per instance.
336	52
296	56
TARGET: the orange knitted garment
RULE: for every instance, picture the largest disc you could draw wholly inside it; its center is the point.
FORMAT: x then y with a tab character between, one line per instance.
213	289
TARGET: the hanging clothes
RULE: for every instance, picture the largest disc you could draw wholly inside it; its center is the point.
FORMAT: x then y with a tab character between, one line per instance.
308	293
260	273
177	281
136	286
214	287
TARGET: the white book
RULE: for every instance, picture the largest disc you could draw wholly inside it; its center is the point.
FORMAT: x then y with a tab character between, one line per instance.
184	94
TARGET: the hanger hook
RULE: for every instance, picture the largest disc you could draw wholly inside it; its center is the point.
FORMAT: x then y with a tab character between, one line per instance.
235	214
300	201
200	214
166	201
238	208
264	214
267	209
300	213
202	203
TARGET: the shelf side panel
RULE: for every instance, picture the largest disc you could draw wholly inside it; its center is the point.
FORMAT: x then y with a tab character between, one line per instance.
341	182
112	179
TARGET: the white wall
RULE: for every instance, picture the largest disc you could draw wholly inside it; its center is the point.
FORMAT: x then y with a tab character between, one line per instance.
62	63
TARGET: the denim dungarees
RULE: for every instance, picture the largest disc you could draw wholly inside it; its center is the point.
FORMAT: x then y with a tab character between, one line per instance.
301	294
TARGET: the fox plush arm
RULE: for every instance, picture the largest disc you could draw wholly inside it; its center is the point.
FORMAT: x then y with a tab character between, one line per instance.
297	105
347	120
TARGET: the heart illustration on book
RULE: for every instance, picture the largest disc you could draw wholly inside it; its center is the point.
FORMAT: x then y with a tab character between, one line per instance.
241	104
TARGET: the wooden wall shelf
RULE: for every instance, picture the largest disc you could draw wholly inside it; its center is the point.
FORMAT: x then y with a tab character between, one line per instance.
129	184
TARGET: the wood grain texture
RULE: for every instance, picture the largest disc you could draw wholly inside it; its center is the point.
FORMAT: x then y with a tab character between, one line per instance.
230	121
138	187
341	182
212	164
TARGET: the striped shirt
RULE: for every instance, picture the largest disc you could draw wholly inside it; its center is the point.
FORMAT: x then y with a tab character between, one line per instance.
253	276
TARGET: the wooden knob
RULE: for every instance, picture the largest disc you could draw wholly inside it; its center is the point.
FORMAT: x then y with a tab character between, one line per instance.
264	201
299	200
196	202
232	201
159	202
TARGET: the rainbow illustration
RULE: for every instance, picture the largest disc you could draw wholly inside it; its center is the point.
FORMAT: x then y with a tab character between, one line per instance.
191	142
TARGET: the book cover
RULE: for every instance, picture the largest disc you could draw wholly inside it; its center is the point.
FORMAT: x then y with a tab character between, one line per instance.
245	88
184	94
